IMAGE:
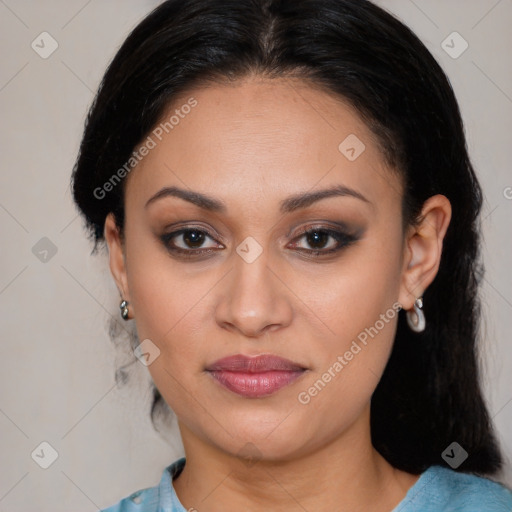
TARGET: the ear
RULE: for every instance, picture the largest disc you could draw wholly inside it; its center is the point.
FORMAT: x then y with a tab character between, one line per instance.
117	260
423	246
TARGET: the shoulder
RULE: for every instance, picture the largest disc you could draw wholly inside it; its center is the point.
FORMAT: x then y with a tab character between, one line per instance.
144	500
153	499
442	489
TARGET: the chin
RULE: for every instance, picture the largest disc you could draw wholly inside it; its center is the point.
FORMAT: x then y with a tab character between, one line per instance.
254	441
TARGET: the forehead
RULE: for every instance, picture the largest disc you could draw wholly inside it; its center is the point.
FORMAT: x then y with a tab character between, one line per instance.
259	140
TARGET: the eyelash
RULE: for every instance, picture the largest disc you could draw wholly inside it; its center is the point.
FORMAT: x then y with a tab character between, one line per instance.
343	239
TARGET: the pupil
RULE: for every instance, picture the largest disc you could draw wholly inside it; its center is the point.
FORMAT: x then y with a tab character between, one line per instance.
193	237
315	236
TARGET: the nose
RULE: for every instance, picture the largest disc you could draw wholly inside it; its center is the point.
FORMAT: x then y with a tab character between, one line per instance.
255	299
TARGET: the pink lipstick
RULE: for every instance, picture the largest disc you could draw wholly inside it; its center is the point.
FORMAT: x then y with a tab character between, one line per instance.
256	376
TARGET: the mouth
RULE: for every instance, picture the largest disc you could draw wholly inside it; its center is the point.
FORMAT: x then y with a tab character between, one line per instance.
255	377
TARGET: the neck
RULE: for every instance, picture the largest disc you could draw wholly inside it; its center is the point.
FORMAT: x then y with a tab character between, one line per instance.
346	474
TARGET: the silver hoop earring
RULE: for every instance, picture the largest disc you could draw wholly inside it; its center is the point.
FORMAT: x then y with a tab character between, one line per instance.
124	309
416	317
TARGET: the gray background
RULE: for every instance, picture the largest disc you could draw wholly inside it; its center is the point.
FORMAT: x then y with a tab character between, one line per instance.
57	370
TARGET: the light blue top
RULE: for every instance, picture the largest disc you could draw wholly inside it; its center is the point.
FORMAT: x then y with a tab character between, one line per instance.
438	489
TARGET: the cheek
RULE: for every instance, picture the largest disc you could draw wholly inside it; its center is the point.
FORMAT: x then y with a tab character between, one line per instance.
166	305
163	298
351	295
357	304
350	361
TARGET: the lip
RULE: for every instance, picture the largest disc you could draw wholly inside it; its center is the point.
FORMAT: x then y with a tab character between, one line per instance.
256	376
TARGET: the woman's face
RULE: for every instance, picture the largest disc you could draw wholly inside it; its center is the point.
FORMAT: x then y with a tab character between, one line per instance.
244	280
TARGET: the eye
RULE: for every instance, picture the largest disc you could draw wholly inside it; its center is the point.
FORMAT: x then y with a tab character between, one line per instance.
189	242
324	240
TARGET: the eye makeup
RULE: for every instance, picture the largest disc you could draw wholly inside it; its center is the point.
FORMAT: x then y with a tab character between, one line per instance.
324	239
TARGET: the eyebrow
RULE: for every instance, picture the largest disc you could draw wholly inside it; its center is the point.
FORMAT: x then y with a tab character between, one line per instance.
288	205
